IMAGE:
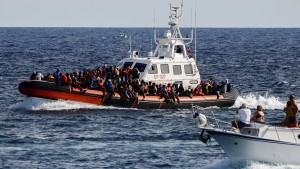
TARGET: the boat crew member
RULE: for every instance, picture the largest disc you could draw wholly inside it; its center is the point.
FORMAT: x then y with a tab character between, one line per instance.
245	114
259	115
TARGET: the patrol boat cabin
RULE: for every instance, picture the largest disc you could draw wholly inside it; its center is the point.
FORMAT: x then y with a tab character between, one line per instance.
171	61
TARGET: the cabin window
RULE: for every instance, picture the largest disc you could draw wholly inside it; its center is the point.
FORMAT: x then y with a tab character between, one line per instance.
193	81
179	49
164	68
140	66
126	64
153	69
188	69
177	70
120	64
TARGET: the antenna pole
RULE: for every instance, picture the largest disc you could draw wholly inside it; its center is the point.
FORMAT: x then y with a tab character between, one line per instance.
195	30
130	43
154	18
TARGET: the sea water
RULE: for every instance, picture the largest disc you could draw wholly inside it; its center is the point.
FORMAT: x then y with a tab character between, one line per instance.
41	133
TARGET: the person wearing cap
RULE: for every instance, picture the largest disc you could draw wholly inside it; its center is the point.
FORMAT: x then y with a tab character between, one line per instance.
244	120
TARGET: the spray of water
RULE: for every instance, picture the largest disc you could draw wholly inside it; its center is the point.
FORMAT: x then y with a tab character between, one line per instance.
268	102
35	104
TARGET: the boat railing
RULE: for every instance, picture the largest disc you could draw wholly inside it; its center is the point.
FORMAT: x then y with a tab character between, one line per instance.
212	120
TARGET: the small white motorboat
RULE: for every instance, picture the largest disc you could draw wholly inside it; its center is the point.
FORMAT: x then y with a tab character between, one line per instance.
256	142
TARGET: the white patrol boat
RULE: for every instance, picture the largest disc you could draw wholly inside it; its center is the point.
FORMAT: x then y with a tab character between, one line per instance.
171	61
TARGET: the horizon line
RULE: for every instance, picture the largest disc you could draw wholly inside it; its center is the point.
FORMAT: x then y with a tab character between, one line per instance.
149	27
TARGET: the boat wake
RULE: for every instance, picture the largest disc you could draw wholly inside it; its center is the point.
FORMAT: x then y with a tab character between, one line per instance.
220	164
36	104
267	101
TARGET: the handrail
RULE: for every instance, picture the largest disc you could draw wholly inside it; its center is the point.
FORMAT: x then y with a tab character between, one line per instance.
277	133
294	136
215	119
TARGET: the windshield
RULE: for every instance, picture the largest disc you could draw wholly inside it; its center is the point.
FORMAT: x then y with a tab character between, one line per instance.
140	66
126	64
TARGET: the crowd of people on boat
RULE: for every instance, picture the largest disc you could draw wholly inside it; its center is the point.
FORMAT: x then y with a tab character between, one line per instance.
111	79
290	120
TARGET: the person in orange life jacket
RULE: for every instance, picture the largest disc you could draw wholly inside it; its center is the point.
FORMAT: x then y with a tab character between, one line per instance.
126	72
198	90
50	78
64	80
100	85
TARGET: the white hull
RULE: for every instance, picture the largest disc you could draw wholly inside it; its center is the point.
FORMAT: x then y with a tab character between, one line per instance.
241	147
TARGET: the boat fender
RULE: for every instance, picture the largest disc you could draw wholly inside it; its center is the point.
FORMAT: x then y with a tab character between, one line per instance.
200	119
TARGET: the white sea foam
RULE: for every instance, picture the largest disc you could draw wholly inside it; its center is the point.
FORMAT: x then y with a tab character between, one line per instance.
267	101
225	163
33	103
260	165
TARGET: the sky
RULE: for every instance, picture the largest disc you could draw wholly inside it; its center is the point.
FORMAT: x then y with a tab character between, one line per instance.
140	13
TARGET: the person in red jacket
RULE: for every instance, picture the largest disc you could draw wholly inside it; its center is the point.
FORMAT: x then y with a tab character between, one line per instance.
64	80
